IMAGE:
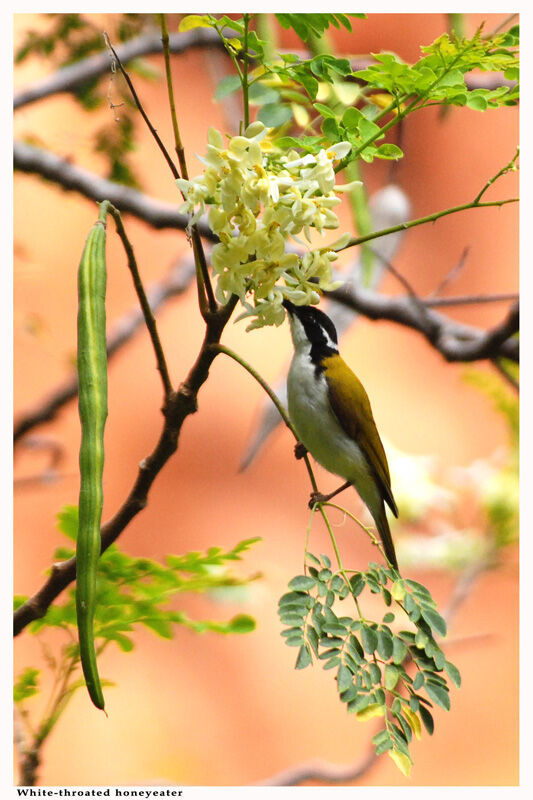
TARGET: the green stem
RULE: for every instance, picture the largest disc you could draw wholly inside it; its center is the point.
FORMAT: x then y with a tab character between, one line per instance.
510	167
244	79
404	226
267	33
337	553
368	531
177	138
206	297
220	348
362	217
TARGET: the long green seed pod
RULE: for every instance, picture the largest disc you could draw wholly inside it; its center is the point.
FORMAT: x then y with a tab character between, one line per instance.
92	378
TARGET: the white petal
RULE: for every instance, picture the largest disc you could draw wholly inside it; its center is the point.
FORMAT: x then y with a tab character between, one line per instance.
347	187
339	150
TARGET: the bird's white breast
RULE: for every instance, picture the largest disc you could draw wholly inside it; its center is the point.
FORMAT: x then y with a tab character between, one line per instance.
318	428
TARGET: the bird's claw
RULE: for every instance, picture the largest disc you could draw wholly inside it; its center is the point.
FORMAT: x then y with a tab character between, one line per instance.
316	497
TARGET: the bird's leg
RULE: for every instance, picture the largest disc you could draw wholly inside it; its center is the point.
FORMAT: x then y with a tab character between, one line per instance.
300	450
318	497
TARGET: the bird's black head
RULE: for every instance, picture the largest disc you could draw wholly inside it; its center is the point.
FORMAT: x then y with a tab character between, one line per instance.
311	326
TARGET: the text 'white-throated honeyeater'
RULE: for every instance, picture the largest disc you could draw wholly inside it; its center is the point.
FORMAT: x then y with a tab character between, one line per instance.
332	417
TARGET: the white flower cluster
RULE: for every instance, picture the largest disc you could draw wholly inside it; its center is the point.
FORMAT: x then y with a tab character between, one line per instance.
256	198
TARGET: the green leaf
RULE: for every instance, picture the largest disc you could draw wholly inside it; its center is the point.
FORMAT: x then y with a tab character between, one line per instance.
296	640
369	638
354	647
399	650
331	130
292	618
344	678
273	115
260	95
302	583
304	658
349	695
375	673
26	684
351	118
67	521
357	582
453	672
312	636
293	600
419	681
383	746
160	626
325	111
389	151
226	86
291	632
427	719
438	694
192	21
392	675
476	101
19	600
434	619
385	644
241	623
124	642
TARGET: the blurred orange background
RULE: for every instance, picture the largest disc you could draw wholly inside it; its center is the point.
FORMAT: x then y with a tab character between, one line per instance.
214	710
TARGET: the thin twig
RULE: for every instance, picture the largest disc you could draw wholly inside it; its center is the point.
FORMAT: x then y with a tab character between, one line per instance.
206	297
451	275
404	226
469	299
143	301
219	348
143	113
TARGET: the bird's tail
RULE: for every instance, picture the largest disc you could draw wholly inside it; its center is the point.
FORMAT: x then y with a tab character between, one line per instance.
382	524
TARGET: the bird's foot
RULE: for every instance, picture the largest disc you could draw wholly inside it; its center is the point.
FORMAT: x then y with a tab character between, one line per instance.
299	450
317	497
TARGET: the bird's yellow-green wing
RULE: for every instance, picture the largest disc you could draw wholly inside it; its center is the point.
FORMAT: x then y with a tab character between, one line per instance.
351	406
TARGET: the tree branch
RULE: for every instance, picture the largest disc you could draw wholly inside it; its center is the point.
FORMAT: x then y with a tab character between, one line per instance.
72	77
454	340
159	215
177	408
